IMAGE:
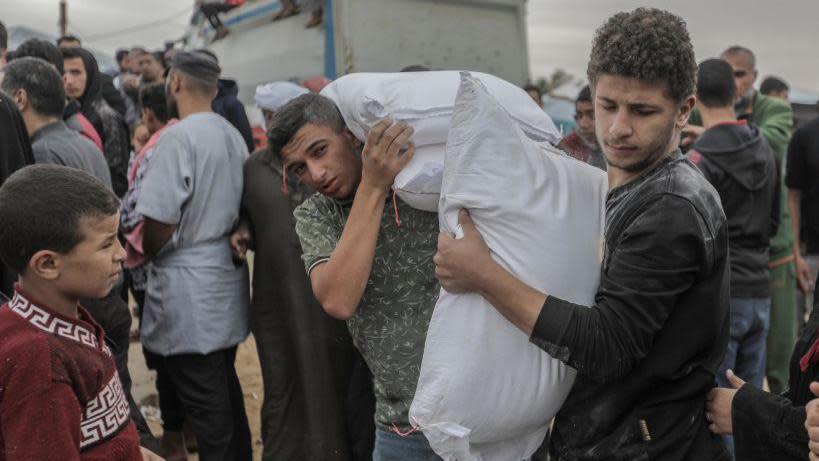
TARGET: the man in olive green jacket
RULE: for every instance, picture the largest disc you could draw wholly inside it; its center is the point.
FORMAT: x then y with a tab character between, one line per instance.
774	118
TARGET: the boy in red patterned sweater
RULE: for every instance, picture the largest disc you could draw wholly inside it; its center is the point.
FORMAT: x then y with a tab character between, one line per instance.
60	394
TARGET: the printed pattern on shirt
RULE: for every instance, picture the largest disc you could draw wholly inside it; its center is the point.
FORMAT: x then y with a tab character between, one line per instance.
105	415
51	324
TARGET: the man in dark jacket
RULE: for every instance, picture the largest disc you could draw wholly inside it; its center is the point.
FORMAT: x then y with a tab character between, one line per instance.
737	160
83	84
647	351
768	426
15	153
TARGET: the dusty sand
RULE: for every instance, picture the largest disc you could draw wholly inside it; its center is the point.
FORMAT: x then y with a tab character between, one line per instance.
247	366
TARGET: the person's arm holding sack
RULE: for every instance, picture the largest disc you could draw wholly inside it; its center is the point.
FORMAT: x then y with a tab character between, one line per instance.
645	274
339	281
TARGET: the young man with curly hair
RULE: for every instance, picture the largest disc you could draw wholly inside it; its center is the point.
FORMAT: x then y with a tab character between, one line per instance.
647	350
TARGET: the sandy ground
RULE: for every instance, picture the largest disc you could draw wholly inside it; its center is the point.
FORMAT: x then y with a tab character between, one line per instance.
247	366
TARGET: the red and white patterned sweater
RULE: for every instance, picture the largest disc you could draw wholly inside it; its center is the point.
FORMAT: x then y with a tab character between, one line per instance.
60	394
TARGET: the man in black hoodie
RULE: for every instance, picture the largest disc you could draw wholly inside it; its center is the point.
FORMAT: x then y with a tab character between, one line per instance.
81	77
737	160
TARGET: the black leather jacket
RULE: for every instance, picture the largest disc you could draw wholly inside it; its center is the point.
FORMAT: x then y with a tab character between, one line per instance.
647	351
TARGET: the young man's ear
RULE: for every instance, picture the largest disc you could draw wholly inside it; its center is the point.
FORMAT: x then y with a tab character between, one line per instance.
684	113
46	264
21	99
356	142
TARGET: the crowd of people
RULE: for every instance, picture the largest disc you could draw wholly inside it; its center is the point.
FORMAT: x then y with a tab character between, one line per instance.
705	294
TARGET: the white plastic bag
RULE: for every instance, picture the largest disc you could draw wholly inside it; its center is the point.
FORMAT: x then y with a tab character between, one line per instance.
426	100
485	392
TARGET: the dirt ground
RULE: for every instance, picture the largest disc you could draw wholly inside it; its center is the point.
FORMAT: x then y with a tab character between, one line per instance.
247	366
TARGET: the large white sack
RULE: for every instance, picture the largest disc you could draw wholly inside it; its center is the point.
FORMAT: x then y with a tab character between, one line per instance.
426	100
485	392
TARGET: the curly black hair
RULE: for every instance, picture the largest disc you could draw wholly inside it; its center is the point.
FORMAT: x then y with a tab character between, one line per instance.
648	44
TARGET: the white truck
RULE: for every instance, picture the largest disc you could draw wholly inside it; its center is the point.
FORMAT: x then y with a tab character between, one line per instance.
370	36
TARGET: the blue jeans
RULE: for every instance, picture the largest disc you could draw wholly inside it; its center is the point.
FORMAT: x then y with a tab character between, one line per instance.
393	447
750	319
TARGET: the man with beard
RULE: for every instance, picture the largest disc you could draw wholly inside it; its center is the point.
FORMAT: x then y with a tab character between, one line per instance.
582	143
196	304
81	77
36	48
647	351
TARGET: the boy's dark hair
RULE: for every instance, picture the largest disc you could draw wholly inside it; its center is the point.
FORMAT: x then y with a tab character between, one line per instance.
584	95
306	109
41	207
715	83
647	44
4	36
69	38
160	58
773	84
122	53
152	97
37	48
42	83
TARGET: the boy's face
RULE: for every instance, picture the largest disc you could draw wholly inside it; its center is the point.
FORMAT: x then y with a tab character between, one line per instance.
637	122
324	160
92	267
74	77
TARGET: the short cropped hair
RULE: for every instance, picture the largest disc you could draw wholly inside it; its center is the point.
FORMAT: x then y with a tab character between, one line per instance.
306	109
715	83
41	208
773	84
737	49
584	95
37	48
69	38
152	96
649	45
41	82
122	53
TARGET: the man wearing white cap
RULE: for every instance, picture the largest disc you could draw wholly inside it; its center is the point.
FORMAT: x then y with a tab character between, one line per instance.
271	96
309	365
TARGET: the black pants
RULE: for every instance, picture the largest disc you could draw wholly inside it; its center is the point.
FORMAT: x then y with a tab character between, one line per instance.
210	394
173	415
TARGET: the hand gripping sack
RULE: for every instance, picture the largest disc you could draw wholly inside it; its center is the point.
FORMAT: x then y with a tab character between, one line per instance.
485	392
425	100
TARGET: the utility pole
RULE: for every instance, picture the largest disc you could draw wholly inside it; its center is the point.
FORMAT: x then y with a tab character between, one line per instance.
63	18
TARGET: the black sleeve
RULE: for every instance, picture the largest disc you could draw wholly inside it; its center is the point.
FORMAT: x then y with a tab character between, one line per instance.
767	426
796	176
657	258
237	117
112	96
